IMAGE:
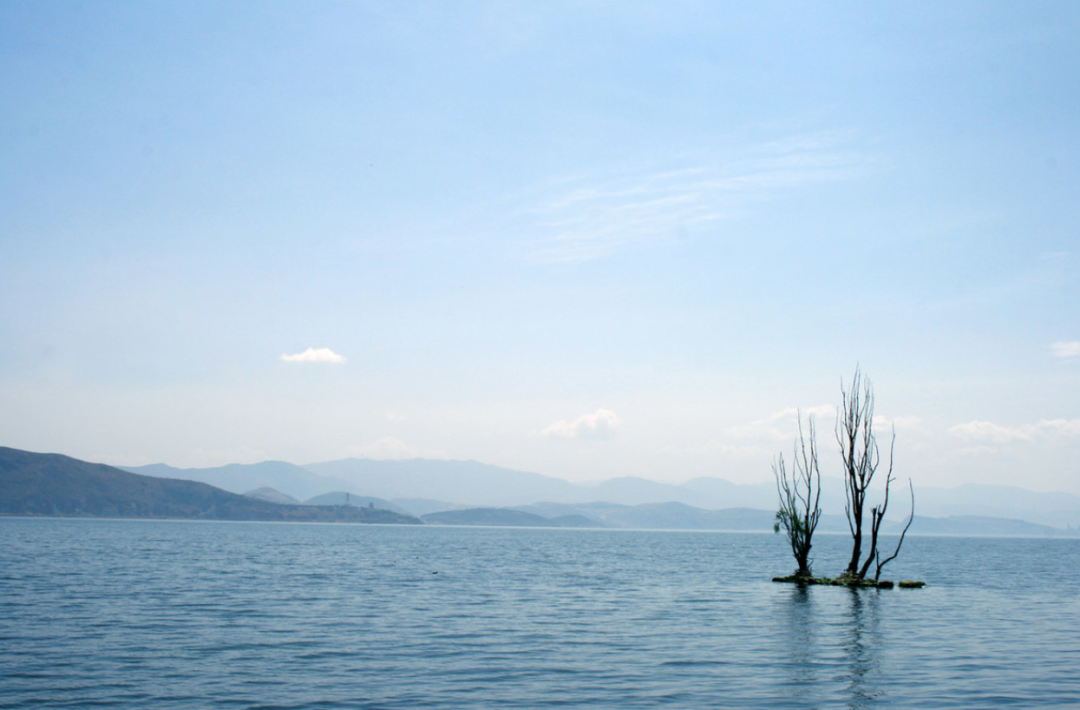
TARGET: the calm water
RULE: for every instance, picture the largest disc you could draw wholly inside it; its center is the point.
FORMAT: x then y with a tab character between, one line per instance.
147	614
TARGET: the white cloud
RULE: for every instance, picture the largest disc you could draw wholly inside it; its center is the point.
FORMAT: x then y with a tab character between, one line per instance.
991	433
1066	350
314	355
1060	427
987	432
599	425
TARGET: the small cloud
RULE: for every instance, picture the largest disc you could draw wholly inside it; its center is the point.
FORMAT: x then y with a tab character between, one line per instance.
1059	427
599	425
314	355
988	432
1066	350
395	417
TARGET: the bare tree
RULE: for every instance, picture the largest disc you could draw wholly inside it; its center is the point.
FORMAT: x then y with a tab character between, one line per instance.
877	555
861	458
799	495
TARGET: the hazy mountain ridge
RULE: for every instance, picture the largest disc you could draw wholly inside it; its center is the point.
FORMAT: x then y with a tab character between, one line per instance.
290	479
425	486
508	517
677	516
470	482
52	484
272	495
344	498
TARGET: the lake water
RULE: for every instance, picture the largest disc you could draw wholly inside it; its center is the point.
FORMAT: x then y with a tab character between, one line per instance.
155	614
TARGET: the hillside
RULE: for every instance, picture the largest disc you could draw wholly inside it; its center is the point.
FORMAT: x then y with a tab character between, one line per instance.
343	498
505	517
52	484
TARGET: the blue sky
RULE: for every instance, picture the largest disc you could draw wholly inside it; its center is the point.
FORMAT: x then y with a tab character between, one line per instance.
585	239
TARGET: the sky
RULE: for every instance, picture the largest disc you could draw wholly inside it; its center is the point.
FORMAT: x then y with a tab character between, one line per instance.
585	239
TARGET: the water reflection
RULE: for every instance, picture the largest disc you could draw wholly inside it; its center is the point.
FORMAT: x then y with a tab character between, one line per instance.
832	645
860	648
802	646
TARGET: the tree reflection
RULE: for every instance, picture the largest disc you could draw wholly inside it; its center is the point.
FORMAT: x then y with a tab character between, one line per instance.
860	648
802	649
832	647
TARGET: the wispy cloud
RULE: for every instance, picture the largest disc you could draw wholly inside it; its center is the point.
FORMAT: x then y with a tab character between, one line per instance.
319	355
990	433
599	425
1066	350
591	216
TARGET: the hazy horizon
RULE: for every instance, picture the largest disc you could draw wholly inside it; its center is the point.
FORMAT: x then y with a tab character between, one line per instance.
583	240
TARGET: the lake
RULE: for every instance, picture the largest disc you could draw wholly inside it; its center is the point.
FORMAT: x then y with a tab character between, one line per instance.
170	614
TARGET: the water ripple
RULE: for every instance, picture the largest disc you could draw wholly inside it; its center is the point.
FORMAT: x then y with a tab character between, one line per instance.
140	614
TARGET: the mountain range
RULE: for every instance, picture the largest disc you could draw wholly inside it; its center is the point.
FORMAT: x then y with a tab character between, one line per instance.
469	493
424	486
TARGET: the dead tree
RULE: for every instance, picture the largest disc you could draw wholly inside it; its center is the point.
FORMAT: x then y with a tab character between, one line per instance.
799	496
861	457
877	555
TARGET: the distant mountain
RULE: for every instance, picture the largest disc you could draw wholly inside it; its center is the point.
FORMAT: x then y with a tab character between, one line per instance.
676	516
474	484
422	506
506	517
464	482
650	516
52	484
547	509
271	495
658	516
292	480
423	486
630	490
342	498
978	499
719	493
976	525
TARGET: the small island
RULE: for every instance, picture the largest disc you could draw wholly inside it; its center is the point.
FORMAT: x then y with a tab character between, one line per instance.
843	581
